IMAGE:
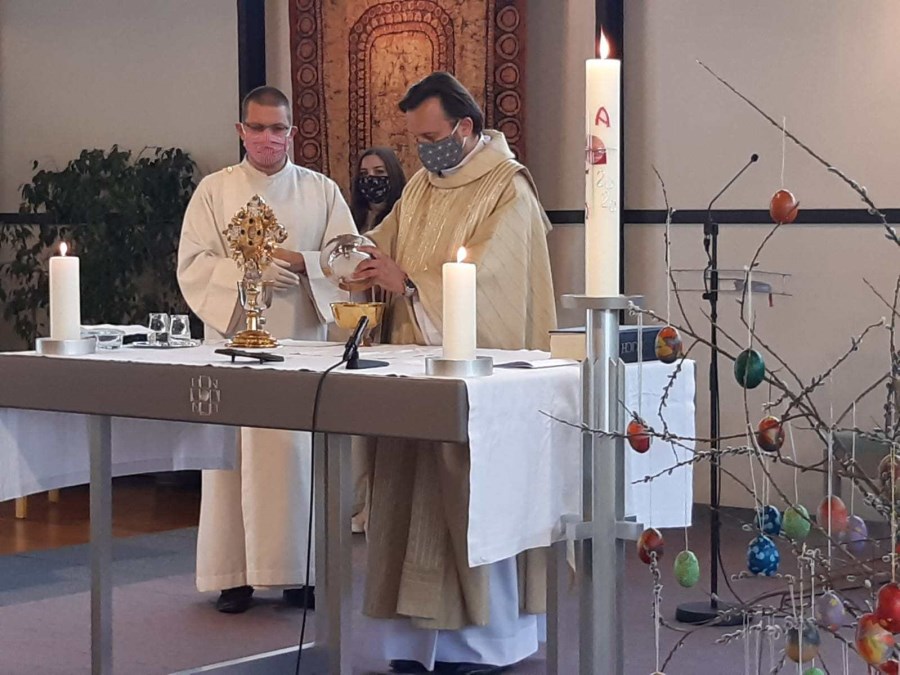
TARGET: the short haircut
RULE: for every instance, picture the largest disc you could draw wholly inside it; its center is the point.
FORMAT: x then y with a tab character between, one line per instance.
268	96
455	99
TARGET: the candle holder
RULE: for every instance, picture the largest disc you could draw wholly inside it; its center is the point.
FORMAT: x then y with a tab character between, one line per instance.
79	347
480	366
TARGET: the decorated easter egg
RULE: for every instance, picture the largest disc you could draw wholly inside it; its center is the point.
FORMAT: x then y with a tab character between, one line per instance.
830	611
637	435
874	642
856	535
768	519
884	475
687	569
650	541
887	607
814	671
669	346
811	641
832	513
795	522
891	667
770	434
749	368
783	207
763	556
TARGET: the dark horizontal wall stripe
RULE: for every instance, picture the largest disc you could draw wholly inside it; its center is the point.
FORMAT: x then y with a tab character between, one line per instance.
735	217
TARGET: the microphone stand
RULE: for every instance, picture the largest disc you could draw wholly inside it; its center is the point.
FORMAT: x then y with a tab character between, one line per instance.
714	611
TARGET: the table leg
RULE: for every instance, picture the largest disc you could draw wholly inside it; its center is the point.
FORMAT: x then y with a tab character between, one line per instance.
101	545
556	584
339	555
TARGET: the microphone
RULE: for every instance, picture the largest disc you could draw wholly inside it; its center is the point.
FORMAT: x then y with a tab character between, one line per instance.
351	349
753	158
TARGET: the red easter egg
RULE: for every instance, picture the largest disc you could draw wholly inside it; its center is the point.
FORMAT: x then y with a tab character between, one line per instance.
770	434
650	541
891	667
783	207
873	641
833	511
887	609
637	436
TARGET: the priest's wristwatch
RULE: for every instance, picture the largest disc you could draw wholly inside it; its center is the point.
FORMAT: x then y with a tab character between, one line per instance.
409	288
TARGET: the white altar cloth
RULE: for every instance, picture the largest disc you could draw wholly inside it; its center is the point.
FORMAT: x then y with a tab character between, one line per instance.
526	467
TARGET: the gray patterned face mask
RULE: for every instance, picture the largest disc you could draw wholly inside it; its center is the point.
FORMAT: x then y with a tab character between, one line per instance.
442	155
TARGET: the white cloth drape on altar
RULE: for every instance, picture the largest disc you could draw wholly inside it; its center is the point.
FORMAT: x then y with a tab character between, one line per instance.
526	467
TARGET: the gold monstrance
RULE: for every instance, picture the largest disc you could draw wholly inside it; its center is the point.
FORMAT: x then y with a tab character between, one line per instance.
252	235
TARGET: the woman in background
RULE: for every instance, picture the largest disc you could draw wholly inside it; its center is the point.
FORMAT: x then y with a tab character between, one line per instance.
378	182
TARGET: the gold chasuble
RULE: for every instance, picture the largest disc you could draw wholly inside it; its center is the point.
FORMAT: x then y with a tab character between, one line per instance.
417	537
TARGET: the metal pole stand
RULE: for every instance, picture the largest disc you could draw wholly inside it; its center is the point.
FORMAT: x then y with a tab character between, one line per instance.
600	537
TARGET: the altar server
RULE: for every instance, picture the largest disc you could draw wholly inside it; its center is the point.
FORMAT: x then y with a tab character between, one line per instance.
432	610
253	520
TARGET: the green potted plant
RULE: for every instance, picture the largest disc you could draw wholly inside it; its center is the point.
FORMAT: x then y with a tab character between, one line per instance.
121	215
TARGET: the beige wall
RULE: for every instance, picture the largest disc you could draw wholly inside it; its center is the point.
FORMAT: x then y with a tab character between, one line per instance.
91	73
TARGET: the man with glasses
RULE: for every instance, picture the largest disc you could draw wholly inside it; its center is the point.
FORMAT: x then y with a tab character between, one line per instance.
433	612
253	519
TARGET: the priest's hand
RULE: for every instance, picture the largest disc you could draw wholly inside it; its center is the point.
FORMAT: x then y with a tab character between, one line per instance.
296	262
380	270
280	276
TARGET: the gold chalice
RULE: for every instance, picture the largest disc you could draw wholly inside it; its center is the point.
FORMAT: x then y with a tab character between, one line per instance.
348	314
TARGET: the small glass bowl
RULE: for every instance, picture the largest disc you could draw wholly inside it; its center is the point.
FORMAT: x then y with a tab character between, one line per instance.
107	338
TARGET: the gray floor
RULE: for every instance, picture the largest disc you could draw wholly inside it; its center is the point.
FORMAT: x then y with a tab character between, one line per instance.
162	624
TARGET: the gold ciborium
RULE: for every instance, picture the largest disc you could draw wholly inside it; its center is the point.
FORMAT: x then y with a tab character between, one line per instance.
348	314
253	234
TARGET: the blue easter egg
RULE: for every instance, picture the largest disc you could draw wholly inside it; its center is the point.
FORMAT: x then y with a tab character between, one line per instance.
856	534
763	556
768	519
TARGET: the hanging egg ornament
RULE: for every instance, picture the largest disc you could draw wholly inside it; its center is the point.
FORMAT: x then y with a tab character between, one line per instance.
832	512
650	541
783	207
763	556
814	671
669	346
637	435
884	474
830	611
887	607
768	518
891	667
795	523
874	642
770	434
687	569
856	535
811	640
749	368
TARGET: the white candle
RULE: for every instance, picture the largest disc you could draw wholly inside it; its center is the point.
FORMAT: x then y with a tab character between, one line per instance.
604	141
65	297
459	309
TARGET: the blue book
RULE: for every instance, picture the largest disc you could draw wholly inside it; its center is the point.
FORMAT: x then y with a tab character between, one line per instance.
569	343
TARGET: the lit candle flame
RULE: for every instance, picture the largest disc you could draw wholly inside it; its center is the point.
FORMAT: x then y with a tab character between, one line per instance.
603	47
63	248
461	254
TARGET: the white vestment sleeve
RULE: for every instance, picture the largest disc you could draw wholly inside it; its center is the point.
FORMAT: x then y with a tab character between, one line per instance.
207	274
340	221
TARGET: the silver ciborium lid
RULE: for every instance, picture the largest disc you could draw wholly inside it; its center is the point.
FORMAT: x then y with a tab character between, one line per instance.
341	255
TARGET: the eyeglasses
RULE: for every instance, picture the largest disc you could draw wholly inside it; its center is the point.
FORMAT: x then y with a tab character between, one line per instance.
276	129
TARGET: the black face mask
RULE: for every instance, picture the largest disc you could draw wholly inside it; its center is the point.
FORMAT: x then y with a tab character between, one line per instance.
374	188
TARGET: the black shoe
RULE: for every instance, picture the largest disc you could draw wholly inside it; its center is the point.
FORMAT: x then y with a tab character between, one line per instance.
299	597
446	668
406	666
235	600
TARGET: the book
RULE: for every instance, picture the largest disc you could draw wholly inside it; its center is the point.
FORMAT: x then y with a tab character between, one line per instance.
569	343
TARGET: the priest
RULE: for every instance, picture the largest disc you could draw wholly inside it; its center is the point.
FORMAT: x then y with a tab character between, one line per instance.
254	519
431	610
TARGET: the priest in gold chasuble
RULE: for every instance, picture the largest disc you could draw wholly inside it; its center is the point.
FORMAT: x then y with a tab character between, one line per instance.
429	605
